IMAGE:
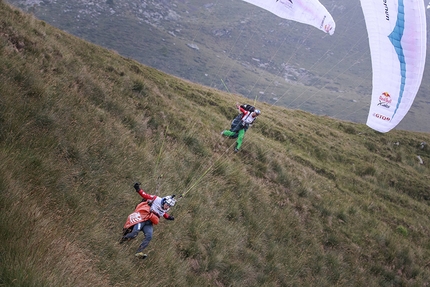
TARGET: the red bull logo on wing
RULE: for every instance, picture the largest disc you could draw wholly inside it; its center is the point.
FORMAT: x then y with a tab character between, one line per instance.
385	100
327	28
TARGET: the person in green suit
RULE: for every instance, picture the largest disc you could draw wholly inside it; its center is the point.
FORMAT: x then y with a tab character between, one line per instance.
241	123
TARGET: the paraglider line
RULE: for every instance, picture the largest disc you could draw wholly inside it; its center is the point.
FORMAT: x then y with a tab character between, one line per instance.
224	85
158	158
206	172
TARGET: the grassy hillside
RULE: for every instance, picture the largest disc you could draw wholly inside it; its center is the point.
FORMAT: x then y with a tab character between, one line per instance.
308	201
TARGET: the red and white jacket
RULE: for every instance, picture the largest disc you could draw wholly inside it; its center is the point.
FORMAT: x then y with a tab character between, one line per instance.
247	118
156	206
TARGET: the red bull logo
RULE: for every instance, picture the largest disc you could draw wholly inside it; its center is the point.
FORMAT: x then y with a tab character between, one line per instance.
327	28
385	100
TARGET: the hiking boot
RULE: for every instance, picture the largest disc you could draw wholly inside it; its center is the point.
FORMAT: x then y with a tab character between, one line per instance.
222	133
140	255
236	150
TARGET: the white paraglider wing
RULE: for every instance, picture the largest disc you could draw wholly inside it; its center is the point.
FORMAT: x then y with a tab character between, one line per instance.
397	39
309	12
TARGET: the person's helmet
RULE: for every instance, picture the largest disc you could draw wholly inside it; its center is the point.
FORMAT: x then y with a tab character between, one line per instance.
257	112
169	200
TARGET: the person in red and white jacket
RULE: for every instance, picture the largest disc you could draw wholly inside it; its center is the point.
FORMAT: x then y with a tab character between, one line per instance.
145	216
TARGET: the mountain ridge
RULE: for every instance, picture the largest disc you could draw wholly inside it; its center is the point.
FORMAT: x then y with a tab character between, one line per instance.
240	49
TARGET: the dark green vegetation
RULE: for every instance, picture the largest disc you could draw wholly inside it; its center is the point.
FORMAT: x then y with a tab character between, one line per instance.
309	201
251	50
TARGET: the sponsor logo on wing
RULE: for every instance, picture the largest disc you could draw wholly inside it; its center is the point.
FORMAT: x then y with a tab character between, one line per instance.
288	3
387	13
322	22
385	100
382	117
327	28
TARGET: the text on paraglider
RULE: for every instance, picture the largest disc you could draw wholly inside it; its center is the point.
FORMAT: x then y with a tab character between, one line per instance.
382	117
322	22
387	15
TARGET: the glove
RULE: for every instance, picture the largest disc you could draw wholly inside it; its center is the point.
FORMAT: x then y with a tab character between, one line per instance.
136	187
170	218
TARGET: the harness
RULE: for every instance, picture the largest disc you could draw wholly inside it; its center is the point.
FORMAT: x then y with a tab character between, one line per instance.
245	119
241	121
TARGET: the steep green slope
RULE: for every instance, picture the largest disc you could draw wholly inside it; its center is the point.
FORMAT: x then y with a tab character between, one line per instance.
308	200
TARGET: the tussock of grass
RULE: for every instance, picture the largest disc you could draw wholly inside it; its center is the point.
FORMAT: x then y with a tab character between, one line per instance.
307	201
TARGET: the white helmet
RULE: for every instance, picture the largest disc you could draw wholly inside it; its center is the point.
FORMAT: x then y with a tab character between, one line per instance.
169	200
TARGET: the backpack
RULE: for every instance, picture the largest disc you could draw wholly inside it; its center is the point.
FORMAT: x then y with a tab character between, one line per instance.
248	107
141	213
